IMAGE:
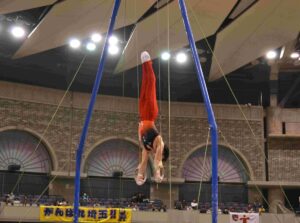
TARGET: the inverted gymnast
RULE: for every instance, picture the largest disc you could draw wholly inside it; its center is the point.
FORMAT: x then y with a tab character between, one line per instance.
149	137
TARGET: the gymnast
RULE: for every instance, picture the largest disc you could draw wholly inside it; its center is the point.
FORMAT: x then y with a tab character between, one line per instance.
149	137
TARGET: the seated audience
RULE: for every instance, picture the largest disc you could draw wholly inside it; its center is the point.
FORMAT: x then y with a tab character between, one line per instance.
194	205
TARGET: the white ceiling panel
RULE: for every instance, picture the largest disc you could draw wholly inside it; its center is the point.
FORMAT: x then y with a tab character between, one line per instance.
79	19
267	25
8	6
152	33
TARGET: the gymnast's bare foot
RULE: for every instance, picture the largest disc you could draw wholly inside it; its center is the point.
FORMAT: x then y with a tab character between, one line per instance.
145	56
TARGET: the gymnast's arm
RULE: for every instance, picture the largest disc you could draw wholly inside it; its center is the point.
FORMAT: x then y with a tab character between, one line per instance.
145	156
159	146
144	162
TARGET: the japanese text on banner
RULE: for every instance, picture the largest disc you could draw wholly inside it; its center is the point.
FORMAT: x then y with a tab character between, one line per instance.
86	214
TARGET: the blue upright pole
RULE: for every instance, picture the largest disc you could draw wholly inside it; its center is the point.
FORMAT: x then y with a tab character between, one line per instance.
211	117
90	110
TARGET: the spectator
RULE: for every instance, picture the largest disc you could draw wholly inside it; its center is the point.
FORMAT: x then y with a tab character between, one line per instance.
250	209
140	197
134	198
11	197
225	211
261	209
194	205
178	205
135	208
183	204
231	209
256	206
85	197
7	199
16	202
189	208
25	200
153	207
63	202
97	205
146	200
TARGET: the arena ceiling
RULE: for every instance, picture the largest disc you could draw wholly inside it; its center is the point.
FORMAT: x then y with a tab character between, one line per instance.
239	32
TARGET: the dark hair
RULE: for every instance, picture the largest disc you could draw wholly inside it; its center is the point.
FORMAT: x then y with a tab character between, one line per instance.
165	154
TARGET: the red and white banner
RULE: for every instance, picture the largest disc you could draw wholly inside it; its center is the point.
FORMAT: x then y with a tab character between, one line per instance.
244	217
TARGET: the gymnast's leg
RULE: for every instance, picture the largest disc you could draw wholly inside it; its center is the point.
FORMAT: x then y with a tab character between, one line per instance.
149	137
148	104
148	111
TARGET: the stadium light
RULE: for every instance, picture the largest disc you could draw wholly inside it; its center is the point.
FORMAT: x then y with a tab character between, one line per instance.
113	50
96	37
181	58
165	56
271	55
113	40
90	46
18	32
75	43
294	55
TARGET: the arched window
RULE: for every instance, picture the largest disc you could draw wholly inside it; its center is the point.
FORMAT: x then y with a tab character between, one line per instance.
20	150
113	156
230	168
106	159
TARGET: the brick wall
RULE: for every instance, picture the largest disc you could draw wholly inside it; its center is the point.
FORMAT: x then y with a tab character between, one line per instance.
284	159
30	107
